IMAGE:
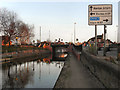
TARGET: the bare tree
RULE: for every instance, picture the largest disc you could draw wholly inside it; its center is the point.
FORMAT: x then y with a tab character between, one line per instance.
12	27
26	33
8	23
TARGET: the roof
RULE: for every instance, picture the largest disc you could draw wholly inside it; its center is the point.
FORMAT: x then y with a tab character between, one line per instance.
109	40
98	37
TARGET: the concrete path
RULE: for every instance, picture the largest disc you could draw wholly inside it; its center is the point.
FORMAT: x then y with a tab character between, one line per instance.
75	75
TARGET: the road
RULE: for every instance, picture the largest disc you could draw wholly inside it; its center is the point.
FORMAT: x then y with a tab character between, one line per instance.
75	75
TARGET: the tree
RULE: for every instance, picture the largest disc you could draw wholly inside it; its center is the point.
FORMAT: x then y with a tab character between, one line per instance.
12	27
8	23
26	33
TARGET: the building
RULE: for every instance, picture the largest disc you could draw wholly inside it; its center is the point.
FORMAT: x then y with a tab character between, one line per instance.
108	42
100	40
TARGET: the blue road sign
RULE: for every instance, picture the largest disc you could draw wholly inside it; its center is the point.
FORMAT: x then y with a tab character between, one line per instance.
94	18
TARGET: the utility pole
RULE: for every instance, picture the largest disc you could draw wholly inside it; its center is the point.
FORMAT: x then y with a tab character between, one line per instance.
74	32
105	30
118	31
40	34
117	34
71	37
49	35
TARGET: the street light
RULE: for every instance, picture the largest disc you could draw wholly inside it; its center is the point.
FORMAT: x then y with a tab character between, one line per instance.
61	39
16	44
33	42
74	32
16	40
117	34
40	34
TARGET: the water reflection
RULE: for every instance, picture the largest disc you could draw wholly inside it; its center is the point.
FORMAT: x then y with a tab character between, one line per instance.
62	55
59	53
41	73
16	76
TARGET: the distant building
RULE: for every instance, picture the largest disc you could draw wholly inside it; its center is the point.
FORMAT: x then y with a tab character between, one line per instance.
100	41
108	42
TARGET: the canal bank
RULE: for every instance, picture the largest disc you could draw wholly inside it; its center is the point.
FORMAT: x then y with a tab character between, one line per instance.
75	75
26	55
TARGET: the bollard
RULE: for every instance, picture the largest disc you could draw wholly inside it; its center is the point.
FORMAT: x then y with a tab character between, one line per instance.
79	55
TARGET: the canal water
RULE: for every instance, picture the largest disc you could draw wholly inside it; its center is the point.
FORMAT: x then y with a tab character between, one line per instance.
41	73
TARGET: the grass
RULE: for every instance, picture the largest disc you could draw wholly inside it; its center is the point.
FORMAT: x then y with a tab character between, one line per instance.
6	49
92	49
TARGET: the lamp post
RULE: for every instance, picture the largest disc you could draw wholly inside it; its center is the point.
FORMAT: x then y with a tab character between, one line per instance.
49	35
71	37
33	44
16	43
55	40
40	34
117	34
118	43
74	32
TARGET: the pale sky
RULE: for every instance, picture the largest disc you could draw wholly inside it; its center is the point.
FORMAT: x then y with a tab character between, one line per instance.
59	18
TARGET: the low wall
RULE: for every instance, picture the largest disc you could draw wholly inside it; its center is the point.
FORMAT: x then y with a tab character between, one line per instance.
107	72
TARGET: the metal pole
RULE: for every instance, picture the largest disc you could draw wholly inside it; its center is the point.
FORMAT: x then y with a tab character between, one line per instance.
74	33
117	34
71	37
119	31
104	52
49	35
96	39
16	45
40	33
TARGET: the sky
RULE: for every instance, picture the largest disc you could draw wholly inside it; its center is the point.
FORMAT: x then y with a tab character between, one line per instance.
119	22
59	17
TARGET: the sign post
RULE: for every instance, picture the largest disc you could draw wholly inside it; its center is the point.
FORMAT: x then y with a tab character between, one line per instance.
96	39
100	15
105	31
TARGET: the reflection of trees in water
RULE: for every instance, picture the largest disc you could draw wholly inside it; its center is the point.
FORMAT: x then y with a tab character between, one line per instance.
18	78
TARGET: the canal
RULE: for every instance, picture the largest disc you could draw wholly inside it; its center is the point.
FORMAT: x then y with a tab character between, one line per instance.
40	73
